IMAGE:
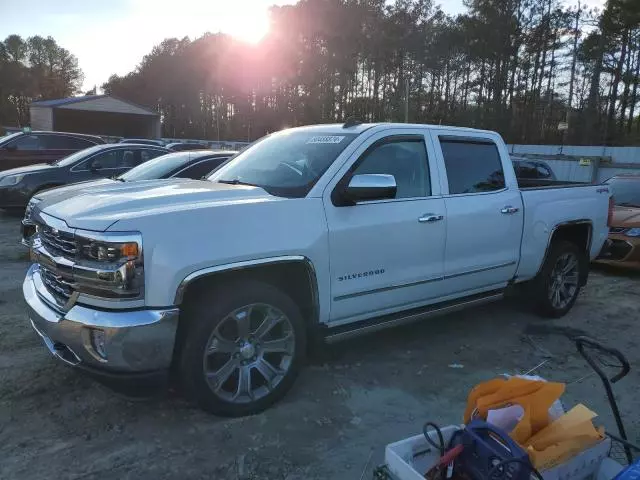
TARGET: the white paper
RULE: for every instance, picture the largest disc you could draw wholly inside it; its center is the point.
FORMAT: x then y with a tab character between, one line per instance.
326	139
505	418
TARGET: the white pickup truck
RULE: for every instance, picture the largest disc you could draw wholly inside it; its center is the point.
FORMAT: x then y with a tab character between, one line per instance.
314	233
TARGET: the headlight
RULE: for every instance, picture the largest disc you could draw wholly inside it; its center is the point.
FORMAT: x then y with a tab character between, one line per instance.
29	210
633	232
10	180
109	265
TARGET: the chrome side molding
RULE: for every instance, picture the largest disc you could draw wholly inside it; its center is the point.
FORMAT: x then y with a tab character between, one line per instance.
370	326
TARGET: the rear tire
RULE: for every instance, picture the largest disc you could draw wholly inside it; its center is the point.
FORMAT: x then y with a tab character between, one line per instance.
557	286
242	348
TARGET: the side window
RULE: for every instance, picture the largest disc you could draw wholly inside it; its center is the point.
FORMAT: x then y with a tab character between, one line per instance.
472	166
543	171
113	159
63	142
406	160
148	154
200	169
27	142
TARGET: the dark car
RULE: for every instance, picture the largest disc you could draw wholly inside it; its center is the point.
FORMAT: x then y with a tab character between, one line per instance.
181	147
18	185
526	168
28	148
142	141
192	165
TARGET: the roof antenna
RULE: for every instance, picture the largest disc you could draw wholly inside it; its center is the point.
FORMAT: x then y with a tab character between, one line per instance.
351	122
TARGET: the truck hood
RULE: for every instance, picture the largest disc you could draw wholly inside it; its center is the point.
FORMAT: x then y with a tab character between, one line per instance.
98	209
58	194
627	217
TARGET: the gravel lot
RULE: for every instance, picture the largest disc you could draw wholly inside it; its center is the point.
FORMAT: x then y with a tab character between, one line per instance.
334	424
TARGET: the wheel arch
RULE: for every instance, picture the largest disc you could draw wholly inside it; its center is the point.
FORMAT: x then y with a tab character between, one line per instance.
294	274
578	232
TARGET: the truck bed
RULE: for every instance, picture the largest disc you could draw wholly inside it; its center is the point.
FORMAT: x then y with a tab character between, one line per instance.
540	183
555	203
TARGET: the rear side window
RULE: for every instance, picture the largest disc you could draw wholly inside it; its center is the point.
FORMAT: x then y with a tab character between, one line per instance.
63	142
543	171
472	166
147	154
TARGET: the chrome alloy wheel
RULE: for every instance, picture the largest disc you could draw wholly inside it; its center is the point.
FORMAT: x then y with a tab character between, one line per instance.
564	280
249	353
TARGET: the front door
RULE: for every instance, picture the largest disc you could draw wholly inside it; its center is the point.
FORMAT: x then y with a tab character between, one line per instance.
484	213
387	255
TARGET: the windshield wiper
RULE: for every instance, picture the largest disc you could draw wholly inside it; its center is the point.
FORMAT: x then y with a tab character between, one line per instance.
236	181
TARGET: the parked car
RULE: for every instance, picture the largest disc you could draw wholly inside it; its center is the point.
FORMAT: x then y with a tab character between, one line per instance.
526	168
18	185
142	141
311	235
193	165
181	147
22	149
623	245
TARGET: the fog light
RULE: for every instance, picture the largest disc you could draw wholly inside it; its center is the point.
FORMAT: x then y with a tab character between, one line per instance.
98	340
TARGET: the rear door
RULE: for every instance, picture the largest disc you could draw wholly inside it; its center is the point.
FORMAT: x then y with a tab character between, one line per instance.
484	211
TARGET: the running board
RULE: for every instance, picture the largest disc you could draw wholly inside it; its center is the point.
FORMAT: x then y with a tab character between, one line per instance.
364	327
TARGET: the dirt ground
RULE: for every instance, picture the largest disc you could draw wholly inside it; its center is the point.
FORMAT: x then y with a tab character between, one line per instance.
344	409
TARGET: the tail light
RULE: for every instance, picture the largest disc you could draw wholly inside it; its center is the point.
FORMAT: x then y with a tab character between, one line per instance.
610	214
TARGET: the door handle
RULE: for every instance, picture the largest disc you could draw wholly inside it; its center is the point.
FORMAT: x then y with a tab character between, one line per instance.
508	210
430	218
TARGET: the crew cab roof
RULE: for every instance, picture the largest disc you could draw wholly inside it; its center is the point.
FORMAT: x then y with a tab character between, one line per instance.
337	128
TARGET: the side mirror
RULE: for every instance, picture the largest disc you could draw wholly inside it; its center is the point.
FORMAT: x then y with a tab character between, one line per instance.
370	186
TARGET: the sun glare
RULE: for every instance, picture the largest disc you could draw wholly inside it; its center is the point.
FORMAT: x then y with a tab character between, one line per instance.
249	28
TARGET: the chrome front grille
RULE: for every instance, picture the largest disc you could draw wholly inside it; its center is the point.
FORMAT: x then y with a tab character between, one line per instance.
57	284
55	250
58	242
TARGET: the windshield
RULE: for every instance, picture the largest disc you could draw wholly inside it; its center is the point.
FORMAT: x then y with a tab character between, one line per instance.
626	191
75	157
286	164
156	168
11	136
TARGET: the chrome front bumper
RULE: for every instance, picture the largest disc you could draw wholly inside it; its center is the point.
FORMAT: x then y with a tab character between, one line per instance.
134	341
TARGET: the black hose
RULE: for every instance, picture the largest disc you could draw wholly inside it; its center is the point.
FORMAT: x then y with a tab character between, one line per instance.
430	441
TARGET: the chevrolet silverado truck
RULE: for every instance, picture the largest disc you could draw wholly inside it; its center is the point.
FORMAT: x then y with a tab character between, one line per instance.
311	235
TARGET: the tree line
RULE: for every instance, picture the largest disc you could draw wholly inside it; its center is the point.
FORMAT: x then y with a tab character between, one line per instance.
33	69
521	67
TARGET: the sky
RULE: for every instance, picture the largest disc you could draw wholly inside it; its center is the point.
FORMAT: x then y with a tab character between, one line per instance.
112	36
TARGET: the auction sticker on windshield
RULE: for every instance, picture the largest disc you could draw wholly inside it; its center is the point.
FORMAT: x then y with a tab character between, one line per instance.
326	139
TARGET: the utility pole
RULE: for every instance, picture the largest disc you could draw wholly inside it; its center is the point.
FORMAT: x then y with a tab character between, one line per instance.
576	34
406	100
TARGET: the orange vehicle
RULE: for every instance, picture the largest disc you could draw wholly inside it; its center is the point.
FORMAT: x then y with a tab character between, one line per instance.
623	245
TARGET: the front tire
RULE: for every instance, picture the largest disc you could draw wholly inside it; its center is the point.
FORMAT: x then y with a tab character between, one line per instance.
558	284
242	349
